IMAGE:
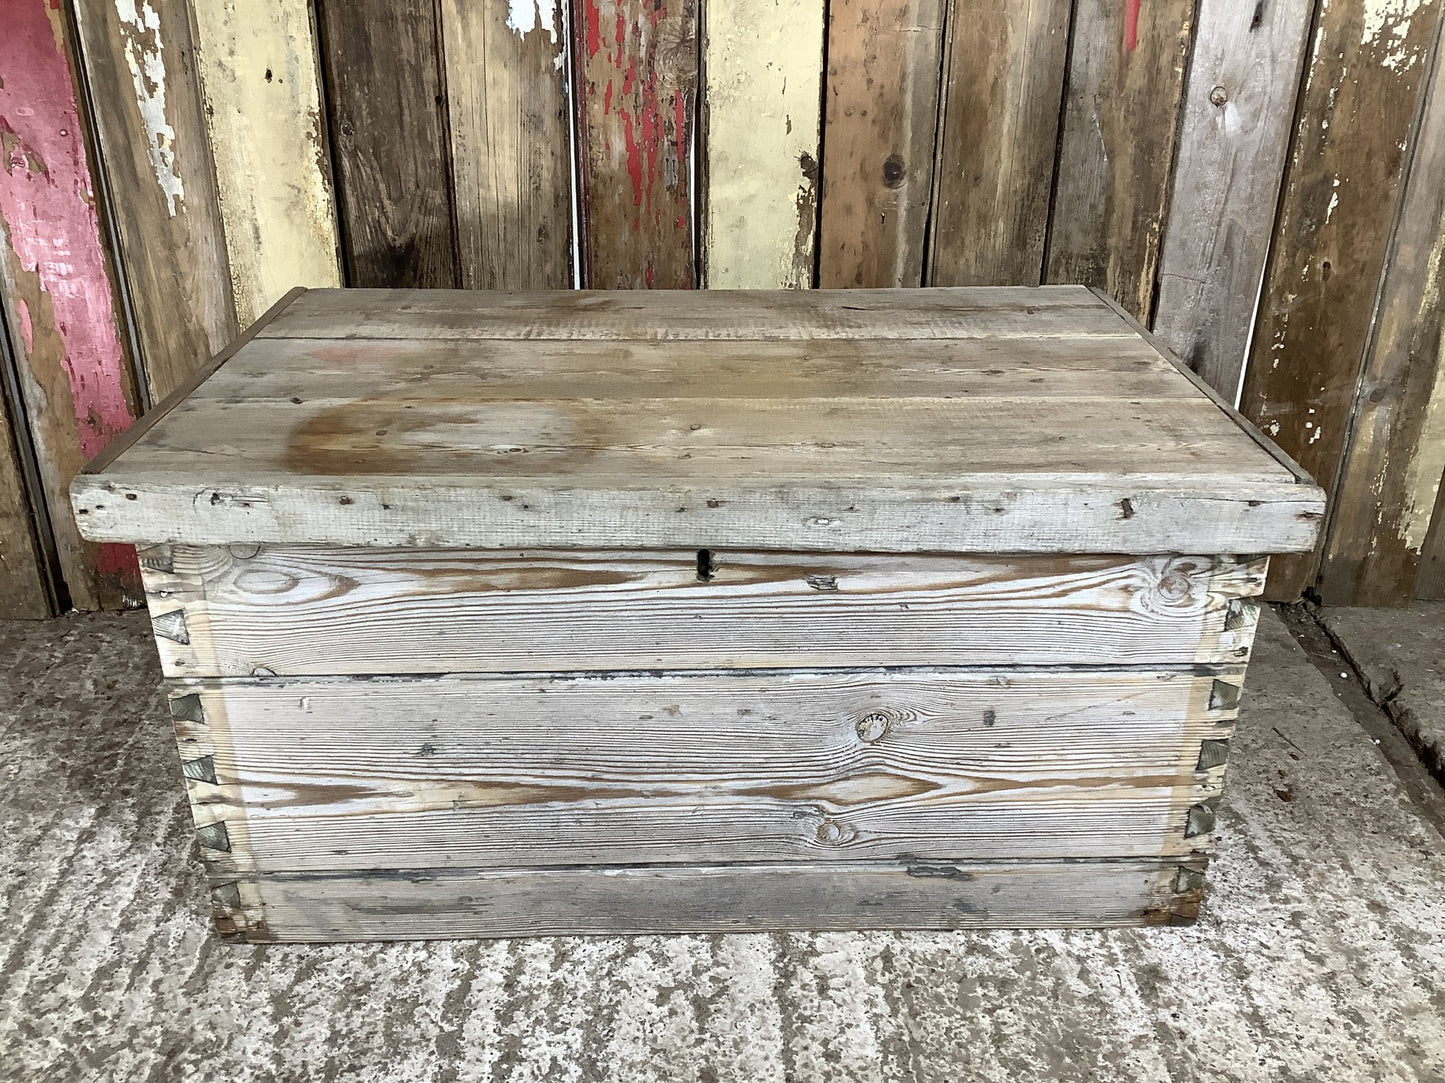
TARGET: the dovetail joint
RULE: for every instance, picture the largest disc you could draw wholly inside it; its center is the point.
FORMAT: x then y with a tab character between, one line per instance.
215	837
202	769
188	708
172	626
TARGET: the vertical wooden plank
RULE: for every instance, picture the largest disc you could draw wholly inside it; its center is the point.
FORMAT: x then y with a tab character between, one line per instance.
148	116
24	591
386	102
77	387
880	122
1121	112
1430	580
259	76
1395	454
1243	81
1003	85
763	70
1342	184
511	147
636	106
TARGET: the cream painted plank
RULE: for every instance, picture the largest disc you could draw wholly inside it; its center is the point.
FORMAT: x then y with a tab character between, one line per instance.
740	898
762	64
259	75
1243	80
728	315
680	769
325	611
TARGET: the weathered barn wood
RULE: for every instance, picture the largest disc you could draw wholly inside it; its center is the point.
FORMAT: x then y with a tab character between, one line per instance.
881	119
259	72
24	590
320	611
1235	128
141	66
1395	455
1116	147
708	898
77	388
511	141
1340	201
762	67
636	85
1003	82
386	104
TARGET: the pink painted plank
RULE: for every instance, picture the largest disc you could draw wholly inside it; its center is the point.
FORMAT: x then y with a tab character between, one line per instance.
76	380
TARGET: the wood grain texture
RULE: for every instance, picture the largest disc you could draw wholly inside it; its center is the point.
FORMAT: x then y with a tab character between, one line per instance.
881	119
386	103
1358	109
262	86
1003	84
1395	456
1244	77
763	64
24	589
636	86
359	611
1430	578
1116	147
720	898
76	383
140	60
682	769
510	132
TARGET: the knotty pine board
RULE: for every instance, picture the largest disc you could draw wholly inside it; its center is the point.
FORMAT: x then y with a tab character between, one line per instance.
337	774
509	118
958	894
636	84
77	385
1003	83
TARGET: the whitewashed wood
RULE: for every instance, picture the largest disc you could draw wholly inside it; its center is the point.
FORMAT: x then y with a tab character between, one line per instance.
336	774
723	315
359	611
749	898
763	64
1238	106
257	63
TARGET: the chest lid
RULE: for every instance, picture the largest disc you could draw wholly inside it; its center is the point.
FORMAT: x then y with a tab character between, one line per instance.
945	420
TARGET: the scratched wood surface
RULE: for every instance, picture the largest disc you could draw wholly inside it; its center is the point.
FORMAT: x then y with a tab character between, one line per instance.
76	384
511	142
24	589
1336	217
880	121
1003	82
1234	134
1116	147
142	69
681	769
957	894
258	69
763	63
220	612
636	85
1395	456
386	105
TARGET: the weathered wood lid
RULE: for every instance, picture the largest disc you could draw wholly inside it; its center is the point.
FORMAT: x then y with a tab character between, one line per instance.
965	420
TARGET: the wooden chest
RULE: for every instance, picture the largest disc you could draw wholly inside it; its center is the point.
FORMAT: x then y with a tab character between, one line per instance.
499	614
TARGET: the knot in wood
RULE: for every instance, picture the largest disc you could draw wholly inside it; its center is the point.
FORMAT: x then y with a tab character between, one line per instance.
1174	587
832	833
1219	96
894	171
873	726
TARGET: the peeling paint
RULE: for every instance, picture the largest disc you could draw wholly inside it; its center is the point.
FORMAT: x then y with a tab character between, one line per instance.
1386	28
144	56
525	16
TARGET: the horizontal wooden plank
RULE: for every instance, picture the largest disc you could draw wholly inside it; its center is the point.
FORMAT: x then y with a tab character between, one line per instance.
741	898
358	611
293	774
956	312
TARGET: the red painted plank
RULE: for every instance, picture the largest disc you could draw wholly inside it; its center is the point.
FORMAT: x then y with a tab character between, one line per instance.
636	101
76	381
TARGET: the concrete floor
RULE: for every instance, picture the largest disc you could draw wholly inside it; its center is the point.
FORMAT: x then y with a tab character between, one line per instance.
1320	956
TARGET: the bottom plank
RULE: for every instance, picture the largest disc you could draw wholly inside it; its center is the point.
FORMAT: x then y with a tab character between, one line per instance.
622	900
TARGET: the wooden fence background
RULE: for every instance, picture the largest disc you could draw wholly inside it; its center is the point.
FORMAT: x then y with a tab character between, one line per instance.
1261	181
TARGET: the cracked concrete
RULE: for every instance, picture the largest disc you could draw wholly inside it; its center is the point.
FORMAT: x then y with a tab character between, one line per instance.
1400	656
1320	953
